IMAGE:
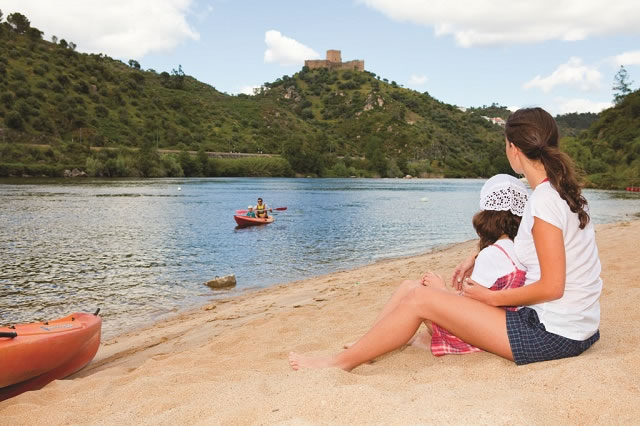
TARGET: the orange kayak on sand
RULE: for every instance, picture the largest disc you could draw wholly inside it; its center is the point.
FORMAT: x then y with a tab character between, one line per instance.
32	355
251	221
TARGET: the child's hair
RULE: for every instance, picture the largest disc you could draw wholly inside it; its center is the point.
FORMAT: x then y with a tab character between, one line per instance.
502	202
490	225
535	133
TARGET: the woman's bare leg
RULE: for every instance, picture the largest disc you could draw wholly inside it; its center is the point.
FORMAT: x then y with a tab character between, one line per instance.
398	294
476	323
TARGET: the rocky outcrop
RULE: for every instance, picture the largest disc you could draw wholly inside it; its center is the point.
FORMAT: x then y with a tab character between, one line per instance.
75	173
373	101
222	282
291	93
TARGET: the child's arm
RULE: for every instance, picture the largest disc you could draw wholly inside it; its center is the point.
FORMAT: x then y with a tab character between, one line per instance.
549	244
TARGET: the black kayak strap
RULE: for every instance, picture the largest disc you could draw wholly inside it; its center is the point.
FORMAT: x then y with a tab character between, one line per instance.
11	334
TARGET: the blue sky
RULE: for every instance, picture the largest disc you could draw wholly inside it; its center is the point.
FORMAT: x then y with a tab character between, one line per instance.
560	54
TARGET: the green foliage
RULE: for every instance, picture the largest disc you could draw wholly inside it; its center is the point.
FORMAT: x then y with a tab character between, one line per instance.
18	22
493	110
14	120
111	119
573	123
608	153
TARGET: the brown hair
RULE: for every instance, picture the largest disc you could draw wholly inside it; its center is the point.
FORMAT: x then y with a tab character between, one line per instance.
535	133
492	224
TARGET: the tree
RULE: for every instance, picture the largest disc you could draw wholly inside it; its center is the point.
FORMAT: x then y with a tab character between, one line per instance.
621	85
34	33
134	64
19	22
54	39
177	77
14	120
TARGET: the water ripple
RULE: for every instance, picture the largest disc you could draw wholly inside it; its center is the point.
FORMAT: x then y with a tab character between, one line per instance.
141	250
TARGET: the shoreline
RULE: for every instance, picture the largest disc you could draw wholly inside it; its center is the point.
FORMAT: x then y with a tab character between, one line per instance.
186	310
193	313
226	362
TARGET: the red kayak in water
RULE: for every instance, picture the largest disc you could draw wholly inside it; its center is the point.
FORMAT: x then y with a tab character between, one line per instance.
32	355
252	221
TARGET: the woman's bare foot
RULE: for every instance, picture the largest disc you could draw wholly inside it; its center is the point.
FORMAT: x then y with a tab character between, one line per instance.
298	361
421	340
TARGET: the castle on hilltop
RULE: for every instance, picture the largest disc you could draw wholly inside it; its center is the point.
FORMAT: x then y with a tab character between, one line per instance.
334	62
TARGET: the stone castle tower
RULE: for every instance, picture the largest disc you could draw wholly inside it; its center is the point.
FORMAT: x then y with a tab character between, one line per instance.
334	62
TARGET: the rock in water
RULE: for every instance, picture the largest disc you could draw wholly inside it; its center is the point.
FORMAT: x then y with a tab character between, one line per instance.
222	282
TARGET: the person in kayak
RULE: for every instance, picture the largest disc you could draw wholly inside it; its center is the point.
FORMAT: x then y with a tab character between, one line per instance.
250	213
262	209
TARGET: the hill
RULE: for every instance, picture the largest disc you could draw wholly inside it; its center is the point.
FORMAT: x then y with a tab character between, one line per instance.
63	109
609	150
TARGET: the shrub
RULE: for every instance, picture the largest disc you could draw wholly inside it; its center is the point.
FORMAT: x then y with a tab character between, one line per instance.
7	99
14	120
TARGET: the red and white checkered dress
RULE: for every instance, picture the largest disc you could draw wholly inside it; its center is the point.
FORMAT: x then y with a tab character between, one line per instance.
443	342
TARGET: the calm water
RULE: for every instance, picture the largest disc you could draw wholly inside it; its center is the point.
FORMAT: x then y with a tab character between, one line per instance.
142	249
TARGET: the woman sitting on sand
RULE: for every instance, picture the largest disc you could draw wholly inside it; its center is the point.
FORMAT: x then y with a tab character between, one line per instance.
555	242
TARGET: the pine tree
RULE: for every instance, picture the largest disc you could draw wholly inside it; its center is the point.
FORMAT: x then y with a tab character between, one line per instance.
621	85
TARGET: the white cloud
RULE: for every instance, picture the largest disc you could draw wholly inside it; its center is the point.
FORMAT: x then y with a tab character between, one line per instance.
564	105
418	80
573	73
120	28
491	22
628	58
248	90
286	51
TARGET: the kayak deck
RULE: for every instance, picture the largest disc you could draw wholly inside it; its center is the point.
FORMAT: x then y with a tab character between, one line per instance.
45	351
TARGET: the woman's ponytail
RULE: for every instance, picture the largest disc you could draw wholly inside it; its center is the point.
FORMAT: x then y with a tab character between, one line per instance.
562	176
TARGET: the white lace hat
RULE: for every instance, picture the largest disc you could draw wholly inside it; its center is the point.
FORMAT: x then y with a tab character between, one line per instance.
504	192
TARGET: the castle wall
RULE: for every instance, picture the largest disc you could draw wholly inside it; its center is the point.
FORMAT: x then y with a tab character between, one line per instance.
357	65
316	63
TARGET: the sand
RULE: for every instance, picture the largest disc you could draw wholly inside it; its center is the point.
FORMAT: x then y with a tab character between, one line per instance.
226	363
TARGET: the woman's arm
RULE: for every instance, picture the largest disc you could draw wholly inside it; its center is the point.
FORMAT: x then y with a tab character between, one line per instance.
549	244
463	269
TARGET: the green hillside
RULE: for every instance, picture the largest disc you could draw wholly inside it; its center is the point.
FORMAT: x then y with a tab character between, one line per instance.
62	109
609	150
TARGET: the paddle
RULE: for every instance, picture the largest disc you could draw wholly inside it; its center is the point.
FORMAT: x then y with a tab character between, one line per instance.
11	334
245	211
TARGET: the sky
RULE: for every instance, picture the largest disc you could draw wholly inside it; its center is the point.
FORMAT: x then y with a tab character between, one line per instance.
561	55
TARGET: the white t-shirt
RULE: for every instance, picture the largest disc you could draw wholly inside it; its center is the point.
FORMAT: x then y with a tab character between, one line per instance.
576	315
492	263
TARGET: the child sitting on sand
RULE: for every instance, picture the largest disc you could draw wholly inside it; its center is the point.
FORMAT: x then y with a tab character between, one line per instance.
502	200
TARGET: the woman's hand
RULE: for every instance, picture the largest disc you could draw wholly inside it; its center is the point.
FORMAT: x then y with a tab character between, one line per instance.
431	279
476	291
463	270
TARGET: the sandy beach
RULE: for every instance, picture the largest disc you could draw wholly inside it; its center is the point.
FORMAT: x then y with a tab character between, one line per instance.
226	363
